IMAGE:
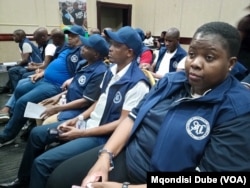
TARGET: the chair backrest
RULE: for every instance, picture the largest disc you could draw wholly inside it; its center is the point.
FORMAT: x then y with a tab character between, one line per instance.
149	76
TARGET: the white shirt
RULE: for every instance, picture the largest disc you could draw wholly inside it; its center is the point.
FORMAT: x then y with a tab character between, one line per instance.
164	64
156	54
50	50
132	97
149	41
181	64
27	48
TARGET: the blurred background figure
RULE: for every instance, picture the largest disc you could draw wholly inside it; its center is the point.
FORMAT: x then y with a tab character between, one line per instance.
244	53
77	14
159	42
94	31
149	40
67	18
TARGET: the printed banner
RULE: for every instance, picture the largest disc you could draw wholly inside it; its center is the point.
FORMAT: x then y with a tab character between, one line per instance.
73	12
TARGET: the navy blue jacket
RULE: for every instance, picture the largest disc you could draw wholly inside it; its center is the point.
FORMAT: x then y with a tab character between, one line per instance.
117	92
191	124
35	55
74	58
239	71
86	83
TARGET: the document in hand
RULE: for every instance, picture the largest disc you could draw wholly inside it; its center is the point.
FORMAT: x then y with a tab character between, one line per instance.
34	110
9	63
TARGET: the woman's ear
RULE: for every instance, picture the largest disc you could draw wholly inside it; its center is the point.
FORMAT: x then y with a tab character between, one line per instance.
232	62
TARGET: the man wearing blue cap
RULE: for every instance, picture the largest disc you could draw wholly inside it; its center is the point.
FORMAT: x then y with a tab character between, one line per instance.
146	57
75	29
44	84
84	89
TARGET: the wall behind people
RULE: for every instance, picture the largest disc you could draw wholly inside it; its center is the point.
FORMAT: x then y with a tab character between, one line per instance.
155	16
27	15
186	15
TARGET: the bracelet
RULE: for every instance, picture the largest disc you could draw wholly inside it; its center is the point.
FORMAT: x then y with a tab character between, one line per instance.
111	156
125	184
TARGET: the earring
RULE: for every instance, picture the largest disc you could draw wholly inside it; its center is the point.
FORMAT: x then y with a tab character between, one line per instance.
230	69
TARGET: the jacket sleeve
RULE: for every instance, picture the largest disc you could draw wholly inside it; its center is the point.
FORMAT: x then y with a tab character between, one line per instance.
229	147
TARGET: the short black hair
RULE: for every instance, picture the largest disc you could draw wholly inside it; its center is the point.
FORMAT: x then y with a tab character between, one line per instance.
230	35
19	32
244	27
244	24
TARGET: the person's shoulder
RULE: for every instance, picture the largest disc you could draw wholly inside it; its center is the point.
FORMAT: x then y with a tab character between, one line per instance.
59	49
147	52
180	48
177	77
181	52
177	74
238	91
26	43
74	49
181	64
100	66
50	46
26	40
163	49
27	47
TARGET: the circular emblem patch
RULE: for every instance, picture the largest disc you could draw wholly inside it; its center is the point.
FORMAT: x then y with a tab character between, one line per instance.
74	58
82	80
198	128
118	97
175	64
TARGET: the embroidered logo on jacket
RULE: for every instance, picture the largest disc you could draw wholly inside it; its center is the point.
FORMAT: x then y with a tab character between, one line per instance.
82	80
74	58
175	64
118	97
198	128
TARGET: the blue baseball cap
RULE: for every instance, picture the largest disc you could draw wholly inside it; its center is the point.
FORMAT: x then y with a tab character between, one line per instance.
98	43
141	33
75	29
128	36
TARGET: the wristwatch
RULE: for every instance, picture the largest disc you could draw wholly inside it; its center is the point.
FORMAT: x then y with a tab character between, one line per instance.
111	156
125	184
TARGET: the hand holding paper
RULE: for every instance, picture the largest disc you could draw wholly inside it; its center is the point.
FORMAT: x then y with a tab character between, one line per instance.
34	110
